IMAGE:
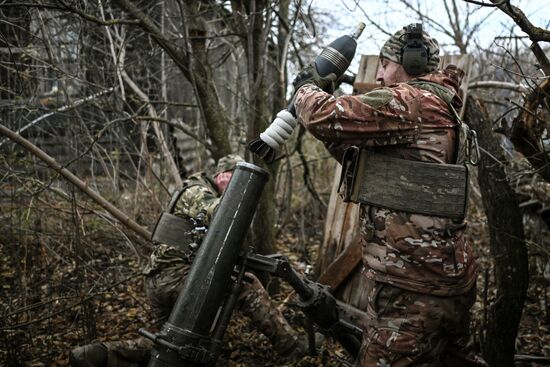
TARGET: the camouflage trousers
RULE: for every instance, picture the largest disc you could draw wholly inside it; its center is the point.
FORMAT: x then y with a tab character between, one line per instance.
414	329
128	353
164	285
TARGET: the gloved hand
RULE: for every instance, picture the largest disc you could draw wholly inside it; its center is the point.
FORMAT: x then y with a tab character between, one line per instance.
309	74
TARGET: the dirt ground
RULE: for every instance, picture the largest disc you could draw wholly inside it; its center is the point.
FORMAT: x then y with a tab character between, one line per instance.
69	279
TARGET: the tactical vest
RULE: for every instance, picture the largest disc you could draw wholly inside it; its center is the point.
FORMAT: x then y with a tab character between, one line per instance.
369	177
174	230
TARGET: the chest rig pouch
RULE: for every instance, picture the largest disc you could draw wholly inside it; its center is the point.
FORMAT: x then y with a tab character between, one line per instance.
173	230
403	185
432	189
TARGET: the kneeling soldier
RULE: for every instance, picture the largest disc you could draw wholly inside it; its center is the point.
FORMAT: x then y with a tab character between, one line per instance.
192	208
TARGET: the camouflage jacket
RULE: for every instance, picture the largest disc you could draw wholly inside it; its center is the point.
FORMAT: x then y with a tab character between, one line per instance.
411	121
198	195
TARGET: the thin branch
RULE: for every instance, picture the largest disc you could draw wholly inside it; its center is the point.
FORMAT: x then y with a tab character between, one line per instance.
372	22
29	5
483	150
482	3
541	58
83	186
487	84
158	132
65	108
91	18
64	309
177	54
535	33
176	125
113	53
520	74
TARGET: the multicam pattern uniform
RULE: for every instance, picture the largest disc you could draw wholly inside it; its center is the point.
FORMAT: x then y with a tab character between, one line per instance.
421	261
164	278
169	266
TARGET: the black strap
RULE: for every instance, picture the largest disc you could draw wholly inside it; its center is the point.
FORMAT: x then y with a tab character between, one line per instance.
347	176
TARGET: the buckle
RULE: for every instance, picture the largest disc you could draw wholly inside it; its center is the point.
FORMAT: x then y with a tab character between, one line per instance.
473	146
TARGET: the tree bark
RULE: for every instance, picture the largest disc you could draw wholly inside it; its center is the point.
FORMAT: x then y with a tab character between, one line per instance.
508	247
254	29
535	33
203	82
283	40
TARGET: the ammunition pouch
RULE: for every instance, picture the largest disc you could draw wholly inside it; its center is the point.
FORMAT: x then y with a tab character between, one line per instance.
417	187
173	230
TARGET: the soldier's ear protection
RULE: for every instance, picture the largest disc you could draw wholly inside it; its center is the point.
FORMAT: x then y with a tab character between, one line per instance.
414	54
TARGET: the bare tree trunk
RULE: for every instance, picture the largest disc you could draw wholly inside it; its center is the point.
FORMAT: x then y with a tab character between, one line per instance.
266	217
251	19
284	36
203	82
508	247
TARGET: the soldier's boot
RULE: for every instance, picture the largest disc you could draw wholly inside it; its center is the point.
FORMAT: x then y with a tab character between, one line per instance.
129	352
255	303
91	355
121	353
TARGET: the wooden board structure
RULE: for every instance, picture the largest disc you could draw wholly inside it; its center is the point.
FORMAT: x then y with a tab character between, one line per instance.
339	264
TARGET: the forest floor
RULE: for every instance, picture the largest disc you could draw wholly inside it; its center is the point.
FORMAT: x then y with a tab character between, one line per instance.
62	290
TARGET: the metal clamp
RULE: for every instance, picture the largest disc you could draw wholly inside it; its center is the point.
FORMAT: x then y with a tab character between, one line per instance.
188	352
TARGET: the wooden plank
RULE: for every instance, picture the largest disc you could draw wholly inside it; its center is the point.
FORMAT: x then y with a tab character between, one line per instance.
343	265
366	75
354	315
355	290
341	226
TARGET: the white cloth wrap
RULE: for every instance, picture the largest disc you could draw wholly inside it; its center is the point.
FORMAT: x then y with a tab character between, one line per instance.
280	130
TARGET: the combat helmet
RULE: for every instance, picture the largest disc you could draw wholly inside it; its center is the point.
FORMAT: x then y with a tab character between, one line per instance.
227	163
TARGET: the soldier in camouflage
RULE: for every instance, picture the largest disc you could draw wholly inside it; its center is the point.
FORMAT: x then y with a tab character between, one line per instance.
168	267
420	270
